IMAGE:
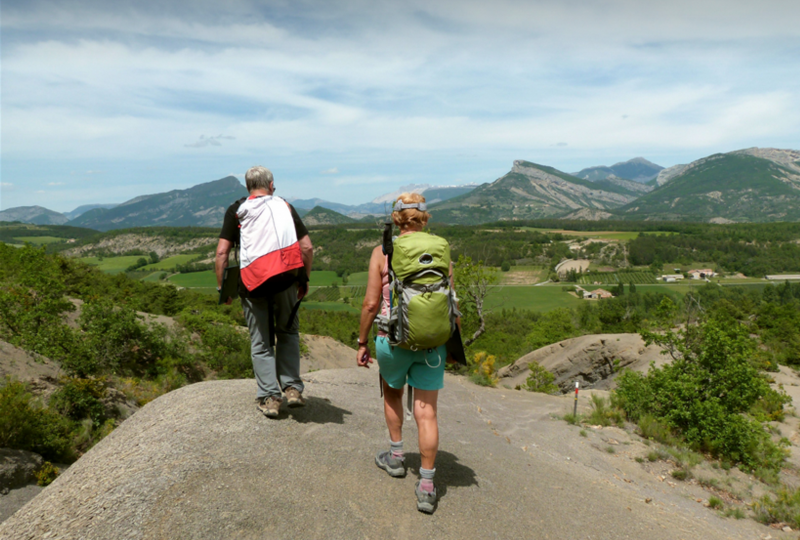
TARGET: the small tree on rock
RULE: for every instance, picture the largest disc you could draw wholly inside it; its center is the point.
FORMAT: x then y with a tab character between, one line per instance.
473	281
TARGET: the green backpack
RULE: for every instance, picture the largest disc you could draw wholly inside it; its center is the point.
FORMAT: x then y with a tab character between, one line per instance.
423	311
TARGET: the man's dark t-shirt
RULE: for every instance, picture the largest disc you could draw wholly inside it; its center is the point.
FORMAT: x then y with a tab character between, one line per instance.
230	232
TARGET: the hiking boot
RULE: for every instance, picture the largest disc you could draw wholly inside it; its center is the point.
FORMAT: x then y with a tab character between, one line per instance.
294	397
270	406
425	501
392	465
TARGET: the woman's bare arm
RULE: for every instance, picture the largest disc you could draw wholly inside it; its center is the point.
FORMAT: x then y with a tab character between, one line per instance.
372	303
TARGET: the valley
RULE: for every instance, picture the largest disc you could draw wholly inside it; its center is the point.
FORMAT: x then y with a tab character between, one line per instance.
128	314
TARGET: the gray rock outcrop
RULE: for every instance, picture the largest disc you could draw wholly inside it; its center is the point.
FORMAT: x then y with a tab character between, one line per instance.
201	462
594	360
17	468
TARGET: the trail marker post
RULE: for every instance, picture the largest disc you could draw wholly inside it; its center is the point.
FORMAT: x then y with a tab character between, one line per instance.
575	407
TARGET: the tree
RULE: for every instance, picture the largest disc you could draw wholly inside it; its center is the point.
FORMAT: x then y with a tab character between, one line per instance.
473	281
632	287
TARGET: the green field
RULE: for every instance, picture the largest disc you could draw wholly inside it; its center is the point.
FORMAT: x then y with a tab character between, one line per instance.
522	275
358	278
618	236
194	280
544	298
38	240
155	276
617	277
111	265
324	278
678	288
169	263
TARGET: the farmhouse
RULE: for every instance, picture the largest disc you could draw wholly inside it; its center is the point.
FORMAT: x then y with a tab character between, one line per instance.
599	293
671	278
705	273
784	277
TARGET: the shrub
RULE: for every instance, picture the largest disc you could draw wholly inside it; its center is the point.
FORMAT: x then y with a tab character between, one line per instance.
481	369
80	398
735	513
603	413
25	425
785	508
708	394
715	502
223	347
680	474
116	341
552	327
540	380
506	266
652	429
46	474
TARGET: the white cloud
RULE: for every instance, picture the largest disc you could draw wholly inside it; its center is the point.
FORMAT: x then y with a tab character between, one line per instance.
6	184
204	141
345	81
55	183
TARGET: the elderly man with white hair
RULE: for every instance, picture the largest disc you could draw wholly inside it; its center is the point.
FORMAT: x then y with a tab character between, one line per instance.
275	266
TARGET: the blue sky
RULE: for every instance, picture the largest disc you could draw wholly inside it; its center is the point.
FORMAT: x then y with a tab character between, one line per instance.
104	101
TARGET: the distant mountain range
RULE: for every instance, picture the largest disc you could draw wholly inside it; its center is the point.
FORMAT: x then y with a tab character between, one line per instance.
383	204
636	169
325	216
85	208
33	214
755	184
533	191
203	205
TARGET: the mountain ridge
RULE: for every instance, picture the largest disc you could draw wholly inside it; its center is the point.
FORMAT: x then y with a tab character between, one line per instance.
529	191
754	184
637	169
202	205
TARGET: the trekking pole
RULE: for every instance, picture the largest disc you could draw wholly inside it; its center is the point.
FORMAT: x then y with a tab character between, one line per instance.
575	408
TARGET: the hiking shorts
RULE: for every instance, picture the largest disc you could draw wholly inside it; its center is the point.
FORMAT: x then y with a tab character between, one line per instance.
421	369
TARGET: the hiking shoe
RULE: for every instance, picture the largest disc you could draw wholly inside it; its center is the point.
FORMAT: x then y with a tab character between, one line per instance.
425	501
294	397
395	467
270	406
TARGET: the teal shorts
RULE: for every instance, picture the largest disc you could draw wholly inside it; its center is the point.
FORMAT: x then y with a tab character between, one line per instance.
421	369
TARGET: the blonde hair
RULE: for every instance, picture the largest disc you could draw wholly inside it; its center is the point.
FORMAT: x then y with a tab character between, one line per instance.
403	218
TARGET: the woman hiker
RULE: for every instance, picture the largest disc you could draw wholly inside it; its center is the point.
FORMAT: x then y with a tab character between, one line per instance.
422	369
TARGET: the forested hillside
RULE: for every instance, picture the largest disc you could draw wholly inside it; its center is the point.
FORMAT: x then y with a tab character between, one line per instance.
734	187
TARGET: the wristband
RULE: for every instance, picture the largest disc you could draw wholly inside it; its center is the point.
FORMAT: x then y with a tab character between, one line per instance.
363	343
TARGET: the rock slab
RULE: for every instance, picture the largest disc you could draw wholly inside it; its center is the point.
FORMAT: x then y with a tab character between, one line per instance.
201	462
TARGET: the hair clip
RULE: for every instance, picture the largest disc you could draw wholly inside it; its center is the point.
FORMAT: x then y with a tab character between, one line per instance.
400	205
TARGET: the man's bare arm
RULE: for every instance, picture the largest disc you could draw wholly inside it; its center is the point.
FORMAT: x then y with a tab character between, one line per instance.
221	261
307	250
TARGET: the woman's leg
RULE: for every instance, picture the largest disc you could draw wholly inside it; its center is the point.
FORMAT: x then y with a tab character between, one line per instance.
425	406
393	410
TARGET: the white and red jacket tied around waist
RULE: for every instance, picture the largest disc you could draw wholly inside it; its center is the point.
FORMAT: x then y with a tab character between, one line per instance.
269	243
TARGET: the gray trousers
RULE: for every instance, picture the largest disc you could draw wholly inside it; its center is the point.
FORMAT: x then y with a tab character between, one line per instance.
279	369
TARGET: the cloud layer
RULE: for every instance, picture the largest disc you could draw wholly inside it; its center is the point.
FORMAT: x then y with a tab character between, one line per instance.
397	91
